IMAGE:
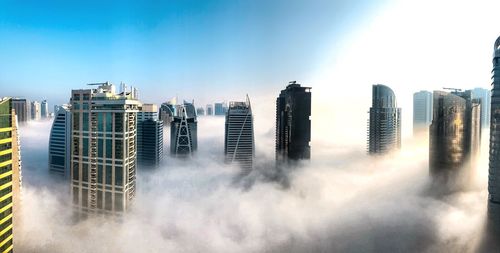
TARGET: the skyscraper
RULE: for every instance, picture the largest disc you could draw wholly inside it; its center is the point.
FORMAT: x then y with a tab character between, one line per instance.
494	165
167	112
22	107
149	136
10	175
210	110
35	110
239	144
384	133
293	123
183	131
103	145
44	109
220	109
422	111
485	96
200	111
455	135
60	142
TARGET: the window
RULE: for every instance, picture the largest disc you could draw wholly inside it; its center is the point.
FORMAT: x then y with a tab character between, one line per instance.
85	121
85	146
76	121
75	171
85	172
109	122
119	176
109	175
109	149
99	173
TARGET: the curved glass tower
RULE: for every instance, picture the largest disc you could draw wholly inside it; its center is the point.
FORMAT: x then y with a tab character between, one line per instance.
384	133
494	170
60	142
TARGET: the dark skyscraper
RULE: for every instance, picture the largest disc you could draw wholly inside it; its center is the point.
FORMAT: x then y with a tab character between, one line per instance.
239	137
149	136
485	96
384	133
494	171
455	135
293	123
220	109
23	109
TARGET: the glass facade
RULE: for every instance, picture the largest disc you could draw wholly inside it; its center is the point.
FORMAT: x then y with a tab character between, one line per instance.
293	123
384	132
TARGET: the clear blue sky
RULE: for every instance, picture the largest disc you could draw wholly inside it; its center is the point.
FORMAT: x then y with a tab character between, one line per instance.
207	49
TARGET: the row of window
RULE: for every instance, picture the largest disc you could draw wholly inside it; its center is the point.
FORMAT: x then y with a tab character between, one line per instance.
108	201
109	174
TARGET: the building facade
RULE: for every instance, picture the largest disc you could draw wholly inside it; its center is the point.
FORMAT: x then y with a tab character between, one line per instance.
293	123
103	148
239	146
455	135
200	111
422	111
184	131
494	160
44	109
22	107
60	142
149	136
210	110
484	96
167	112
10	175
384	131
36	113
220	109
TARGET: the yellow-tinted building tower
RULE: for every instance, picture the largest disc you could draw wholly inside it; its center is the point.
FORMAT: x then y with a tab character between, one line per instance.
10	175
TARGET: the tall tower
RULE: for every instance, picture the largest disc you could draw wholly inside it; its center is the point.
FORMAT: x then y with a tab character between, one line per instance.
384	133
103	148
10	175
149	136
22	107
494	165
183	130
455	135
44	109
167	112
36	113
239	144
485	96
422	111
293	123
60	142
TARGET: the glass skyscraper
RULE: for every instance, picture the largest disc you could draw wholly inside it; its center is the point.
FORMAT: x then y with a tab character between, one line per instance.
60	142
36	112
485	96
239	144
422	111
10	175
44	109
149	136
103	147
293	123
455	136
384	132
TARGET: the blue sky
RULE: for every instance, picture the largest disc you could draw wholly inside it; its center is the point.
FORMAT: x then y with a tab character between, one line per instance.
209	50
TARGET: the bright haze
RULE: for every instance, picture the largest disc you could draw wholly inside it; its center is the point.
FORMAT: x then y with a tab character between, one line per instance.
340	201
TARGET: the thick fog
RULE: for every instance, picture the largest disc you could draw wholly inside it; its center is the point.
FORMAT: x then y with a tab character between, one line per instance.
340	201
